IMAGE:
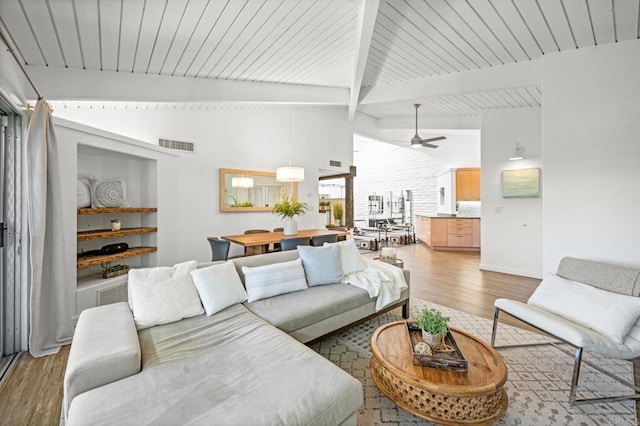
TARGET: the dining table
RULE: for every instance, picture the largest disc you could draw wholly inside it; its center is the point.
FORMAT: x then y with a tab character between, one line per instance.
256	243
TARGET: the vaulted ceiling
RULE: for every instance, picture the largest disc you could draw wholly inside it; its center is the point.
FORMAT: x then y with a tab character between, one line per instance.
377	57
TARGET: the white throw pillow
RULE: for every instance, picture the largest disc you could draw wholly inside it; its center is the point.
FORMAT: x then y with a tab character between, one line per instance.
108	193
219	287
321	264
163	295
350	257
274	279
83	193
608	313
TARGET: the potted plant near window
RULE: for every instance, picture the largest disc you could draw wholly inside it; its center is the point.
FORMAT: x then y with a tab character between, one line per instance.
338	211
289	207
434	326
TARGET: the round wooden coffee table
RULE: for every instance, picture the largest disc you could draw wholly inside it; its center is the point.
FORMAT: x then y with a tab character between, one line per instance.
441	396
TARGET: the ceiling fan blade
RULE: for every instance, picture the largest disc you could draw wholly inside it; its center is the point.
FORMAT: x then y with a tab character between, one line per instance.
437	138
428	145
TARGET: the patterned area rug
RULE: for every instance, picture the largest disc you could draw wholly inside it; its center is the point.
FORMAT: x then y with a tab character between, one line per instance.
537	384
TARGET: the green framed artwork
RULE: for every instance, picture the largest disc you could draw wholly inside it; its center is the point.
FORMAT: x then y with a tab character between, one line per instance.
521	183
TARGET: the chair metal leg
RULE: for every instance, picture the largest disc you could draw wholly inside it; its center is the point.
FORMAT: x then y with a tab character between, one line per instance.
576	374
496	313
576	367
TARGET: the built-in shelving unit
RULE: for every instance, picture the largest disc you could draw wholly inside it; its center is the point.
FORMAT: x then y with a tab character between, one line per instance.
107	233
84	262
96	234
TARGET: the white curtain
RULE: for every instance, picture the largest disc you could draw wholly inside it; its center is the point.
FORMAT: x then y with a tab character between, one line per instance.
52	296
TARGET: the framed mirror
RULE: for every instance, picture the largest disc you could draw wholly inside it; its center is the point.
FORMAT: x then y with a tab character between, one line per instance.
251	190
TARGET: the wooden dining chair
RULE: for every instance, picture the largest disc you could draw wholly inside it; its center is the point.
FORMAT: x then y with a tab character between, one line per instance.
294	242
319	240
219	248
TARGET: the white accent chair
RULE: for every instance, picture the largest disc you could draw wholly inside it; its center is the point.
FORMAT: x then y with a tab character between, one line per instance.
605	276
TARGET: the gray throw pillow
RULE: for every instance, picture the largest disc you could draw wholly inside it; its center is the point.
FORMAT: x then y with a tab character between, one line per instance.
321	264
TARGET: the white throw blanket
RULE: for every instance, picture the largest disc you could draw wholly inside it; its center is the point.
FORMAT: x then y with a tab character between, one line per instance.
380	280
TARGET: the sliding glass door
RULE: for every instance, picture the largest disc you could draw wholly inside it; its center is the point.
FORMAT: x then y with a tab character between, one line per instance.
12	290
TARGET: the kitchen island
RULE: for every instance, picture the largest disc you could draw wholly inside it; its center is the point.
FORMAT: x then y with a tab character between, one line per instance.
449	232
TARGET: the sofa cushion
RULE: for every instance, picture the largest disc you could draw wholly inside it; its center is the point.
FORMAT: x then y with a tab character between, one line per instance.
350	257
588	306
606	276
230	368
321	264
105	349
163	294
573	332
292	311
271	280
219	287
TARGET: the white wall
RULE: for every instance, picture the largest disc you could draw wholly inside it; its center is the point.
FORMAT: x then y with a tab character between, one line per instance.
591	145
511	227
256	139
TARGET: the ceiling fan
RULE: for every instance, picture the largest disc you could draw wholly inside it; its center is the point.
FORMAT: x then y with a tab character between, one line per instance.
417	141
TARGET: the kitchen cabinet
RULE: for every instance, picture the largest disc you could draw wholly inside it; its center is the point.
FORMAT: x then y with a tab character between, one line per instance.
468	184
443	233
475	232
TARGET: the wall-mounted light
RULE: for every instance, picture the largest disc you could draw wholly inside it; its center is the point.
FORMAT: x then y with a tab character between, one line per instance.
241	182
518	152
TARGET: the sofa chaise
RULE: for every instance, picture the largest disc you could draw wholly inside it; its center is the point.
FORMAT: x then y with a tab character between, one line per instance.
245	364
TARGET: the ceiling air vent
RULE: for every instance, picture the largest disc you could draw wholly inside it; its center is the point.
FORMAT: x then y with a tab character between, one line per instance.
335	163
177	145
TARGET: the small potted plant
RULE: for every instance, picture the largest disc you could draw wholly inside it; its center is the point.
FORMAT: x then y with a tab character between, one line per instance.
289	207
338	211
434	326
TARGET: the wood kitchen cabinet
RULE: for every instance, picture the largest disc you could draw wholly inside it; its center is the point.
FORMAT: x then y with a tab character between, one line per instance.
443	233
468	184
475	232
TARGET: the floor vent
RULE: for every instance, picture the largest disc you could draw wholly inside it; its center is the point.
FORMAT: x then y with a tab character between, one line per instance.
112	295
177	145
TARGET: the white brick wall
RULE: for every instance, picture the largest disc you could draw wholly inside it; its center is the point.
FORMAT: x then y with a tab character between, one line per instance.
383	167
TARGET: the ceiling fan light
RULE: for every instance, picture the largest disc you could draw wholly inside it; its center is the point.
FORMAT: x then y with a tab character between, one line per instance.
416	144
290	174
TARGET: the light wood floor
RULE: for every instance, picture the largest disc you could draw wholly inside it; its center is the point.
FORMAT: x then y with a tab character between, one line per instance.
31	391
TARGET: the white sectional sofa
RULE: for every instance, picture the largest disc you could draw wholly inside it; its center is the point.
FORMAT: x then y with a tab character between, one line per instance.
246	364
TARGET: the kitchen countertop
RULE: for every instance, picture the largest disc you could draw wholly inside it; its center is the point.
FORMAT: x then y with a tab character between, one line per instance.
447	216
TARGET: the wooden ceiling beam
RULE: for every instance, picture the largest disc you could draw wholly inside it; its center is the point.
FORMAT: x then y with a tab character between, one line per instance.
367	13
515	75
74	84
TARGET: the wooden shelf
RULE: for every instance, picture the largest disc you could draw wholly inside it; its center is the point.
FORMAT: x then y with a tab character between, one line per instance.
107	233
84	262
116	210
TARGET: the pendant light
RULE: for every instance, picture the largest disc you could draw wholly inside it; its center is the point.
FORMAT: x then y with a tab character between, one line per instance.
290	173
241	182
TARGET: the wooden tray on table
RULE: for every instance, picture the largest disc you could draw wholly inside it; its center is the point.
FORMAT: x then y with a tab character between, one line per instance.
452	360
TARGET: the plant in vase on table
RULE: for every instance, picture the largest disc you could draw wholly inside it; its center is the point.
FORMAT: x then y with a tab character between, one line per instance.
288	208
434	326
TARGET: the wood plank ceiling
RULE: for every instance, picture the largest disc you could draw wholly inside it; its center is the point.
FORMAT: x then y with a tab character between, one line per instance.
314	43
